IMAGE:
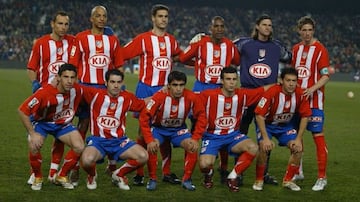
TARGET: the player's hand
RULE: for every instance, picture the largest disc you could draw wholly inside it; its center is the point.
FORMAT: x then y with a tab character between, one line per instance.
36	141
108	31
266	145
295	146
192	145
308	92
196	38
35	85
153	147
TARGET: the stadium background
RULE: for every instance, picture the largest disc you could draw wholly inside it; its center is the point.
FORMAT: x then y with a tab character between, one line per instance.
24	21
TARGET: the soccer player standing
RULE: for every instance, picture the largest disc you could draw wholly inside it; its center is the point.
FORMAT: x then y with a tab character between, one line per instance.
94	53
156	49
166	112
48	53
50	110
277	115
311	59
259	65
107	126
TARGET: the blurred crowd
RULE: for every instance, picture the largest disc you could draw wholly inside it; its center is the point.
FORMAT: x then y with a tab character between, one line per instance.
24	21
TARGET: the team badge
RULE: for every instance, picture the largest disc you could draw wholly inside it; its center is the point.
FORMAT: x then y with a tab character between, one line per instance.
287	104
227	106
304	55
60	51
216	53
112	105
262	53
66	102
162	45
99	44
174	108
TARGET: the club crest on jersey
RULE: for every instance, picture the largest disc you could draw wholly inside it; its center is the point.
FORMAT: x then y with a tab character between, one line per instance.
174	108
112	105
54	67
216	53
107	122
303	72
260	71
99	60
98	44
287	104
225	122
227	106
262	53
65	114
59	51
161	63
33	102
162	45
304	55
213	70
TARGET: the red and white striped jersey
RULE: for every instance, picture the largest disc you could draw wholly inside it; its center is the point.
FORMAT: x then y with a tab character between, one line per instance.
47	55
155	53
224	113
278	107
165	111
107	113
49	105
94	55
211	58
312	62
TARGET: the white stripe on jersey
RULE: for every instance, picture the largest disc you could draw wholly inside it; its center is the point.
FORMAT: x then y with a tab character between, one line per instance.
92	52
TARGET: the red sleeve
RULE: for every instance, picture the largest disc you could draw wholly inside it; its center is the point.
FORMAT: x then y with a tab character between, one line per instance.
236	59
133	48
253	95
200	116
118	54
33	103
146	116
189	53
75	53
34	59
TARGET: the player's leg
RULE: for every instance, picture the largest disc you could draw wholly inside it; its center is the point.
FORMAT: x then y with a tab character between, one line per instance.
168	176
57	153
287	139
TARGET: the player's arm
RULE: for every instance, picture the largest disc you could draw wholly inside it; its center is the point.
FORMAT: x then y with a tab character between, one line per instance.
319	84
263	108
285	55
35	84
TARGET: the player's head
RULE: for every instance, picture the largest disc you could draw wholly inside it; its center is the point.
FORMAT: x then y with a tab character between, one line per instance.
306	29
289	77
160	16
60	24
114	80
98	17
229	79
176	83
262	28
217	28
67	76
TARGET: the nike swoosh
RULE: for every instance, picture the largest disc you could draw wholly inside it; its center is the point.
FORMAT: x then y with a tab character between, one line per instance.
261	59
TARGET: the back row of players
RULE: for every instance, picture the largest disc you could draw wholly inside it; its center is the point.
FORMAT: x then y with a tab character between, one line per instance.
96	51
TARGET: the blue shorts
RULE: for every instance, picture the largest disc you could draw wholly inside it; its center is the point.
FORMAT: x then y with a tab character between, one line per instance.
283	133
212	144
83	110
56	130
111	147
175	135
316	121
200	86
144	91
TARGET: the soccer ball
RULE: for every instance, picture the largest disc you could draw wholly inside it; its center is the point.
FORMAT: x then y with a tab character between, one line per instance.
350	94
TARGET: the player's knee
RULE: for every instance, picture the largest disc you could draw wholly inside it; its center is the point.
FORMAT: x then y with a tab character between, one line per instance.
143	157
252	148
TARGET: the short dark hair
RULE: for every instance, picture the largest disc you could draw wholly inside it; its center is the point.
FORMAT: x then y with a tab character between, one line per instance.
113	72
177	75
288	70
227	70
66	67
157	7
305	20
61	13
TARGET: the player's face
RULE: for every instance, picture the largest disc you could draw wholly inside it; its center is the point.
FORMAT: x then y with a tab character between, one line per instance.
99	18
176	88
114	85
229	82
60	26
289	83
307	33
161	19
264	28
217	29
66	80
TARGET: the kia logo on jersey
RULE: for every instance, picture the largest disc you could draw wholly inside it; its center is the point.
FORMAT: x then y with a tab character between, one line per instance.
54	67
99	60
283	118
161	63
108	122
225	122
303	72
213	70
171	122
260	71
66	114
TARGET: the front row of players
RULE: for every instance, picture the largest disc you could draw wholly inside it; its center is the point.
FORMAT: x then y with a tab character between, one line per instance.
281	112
